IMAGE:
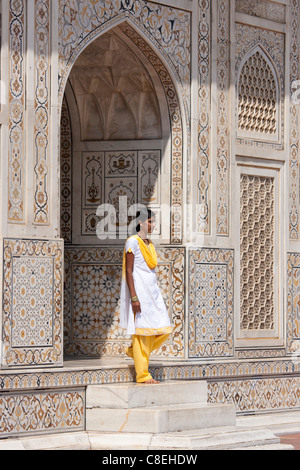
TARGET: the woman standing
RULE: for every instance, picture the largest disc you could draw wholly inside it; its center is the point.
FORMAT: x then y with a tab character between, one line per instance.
143	312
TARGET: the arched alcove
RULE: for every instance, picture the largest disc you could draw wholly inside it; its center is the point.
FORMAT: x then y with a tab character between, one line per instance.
121	135
121	140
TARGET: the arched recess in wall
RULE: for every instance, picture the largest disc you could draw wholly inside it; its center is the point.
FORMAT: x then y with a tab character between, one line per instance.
92	275
173	129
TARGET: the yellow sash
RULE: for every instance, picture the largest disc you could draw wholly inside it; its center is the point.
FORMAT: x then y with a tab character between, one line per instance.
148	252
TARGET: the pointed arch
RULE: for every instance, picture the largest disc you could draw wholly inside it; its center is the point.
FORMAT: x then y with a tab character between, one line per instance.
258	96
175	100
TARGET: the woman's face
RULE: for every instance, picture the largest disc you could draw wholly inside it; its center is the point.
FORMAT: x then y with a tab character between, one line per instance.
148	225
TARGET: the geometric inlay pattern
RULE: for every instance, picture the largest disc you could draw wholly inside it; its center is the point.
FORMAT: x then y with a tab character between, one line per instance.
293	303
32	306
257	252
211	303
95	301
92	301
32	316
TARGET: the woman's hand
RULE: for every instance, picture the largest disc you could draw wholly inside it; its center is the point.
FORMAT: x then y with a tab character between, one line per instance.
136	307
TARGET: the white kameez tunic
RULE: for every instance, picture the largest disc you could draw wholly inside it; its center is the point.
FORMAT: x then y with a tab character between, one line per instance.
153	318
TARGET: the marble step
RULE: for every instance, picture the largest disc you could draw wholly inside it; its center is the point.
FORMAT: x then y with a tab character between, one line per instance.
229	438
160	419
140	395
241	440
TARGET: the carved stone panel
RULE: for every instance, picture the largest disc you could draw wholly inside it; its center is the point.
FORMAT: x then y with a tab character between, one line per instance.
258	96
260	85
211	303
108	176
257	252
92	294
33	292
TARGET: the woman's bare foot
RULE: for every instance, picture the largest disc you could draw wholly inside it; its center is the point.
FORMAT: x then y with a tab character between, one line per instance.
151	381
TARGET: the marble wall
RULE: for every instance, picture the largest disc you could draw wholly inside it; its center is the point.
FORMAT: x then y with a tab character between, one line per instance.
210	127
213	128
239	300
32	303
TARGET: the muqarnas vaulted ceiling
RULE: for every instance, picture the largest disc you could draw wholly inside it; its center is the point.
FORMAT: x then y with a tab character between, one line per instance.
115	94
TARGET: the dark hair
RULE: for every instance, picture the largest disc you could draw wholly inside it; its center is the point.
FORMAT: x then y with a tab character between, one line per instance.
143	215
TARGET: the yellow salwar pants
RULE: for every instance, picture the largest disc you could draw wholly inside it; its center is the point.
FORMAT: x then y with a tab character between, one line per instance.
140	350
